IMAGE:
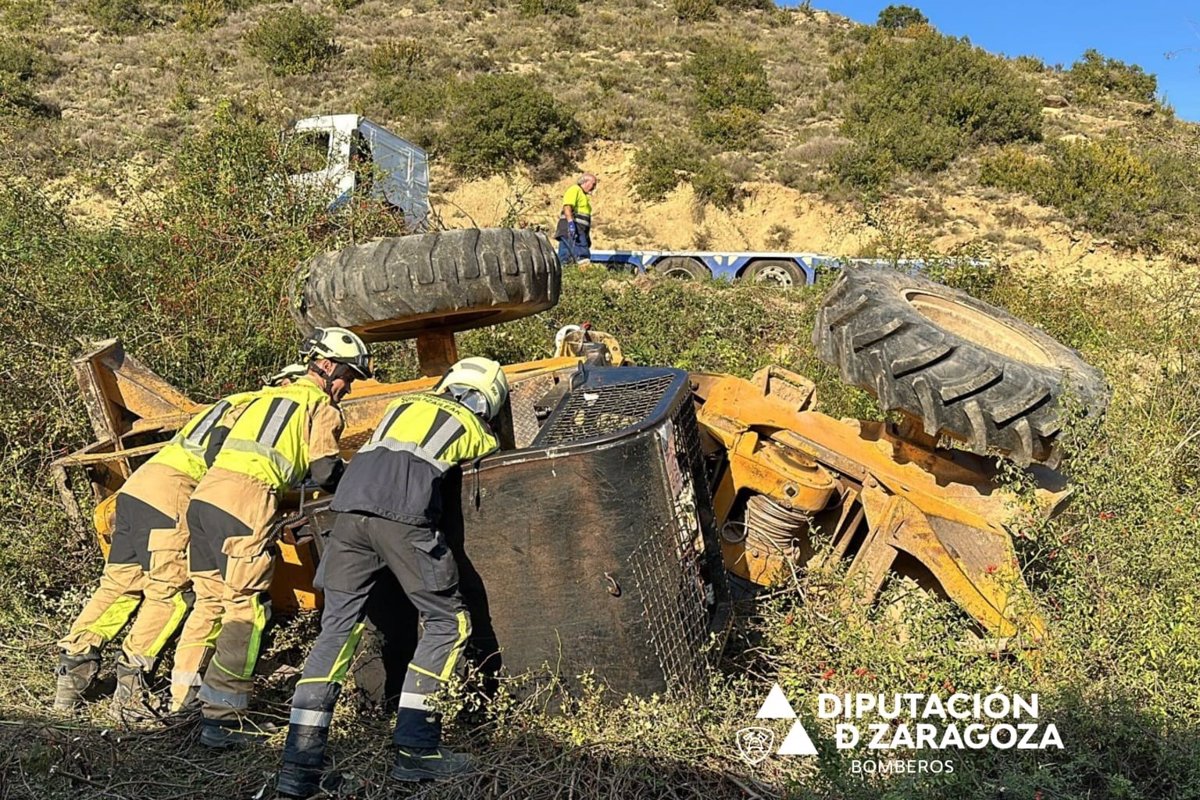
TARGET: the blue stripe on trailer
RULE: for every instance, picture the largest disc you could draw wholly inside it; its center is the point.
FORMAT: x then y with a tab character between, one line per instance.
729	265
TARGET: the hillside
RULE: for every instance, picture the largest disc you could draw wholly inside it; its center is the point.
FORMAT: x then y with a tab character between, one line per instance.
120	80
140	198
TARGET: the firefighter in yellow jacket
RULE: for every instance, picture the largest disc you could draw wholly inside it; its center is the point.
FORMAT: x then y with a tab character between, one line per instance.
286	433
390	504
147	567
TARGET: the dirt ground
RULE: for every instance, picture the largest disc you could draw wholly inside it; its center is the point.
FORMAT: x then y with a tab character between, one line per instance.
1015	228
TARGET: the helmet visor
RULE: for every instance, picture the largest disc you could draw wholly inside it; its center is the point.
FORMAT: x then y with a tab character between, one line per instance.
473	399
361	367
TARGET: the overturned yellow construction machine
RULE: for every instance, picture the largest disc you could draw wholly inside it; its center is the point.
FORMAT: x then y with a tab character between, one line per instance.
628	504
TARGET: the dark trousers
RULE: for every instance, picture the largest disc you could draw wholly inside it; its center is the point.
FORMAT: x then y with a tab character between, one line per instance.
579	249
359	547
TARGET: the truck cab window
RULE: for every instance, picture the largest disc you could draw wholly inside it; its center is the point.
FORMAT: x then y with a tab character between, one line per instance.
306	151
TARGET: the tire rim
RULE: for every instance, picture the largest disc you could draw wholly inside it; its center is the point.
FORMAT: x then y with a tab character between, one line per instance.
679	274
979	328
776	275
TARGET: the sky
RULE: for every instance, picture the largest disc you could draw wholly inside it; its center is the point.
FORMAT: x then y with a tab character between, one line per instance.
1161	36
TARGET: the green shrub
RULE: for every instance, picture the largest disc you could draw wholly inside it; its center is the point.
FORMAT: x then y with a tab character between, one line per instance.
661	165
1030	64
201	15
695	10
548	8
24	62
1106	186
1095	78
730	92
419	98
894	18
712	183
497	121
400	58
733	128
20	15
728	75
16	96
21	66
118	16
292	42
916	105
865	167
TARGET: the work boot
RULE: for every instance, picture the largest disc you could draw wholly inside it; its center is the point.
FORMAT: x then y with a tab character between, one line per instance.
298	780
74	676
133	701
300	783
430	764
221	735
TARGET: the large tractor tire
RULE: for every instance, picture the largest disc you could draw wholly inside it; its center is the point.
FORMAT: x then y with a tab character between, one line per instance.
966	369
448	281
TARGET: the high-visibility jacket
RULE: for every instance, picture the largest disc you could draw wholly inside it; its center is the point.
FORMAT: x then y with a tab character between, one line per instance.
196	444
581	205
270	441
398	473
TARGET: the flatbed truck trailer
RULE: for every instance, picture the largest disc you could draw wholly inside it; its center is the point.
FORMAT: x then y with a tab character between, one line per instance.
781	269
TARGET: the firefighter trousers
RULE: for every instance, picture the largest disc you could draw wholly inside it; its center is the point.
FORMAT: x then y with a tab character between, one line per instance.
146	567
359	547
230	562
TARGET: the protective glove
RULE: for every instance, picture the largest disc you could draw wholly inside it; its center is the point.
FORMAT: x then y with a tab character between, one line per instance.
572	229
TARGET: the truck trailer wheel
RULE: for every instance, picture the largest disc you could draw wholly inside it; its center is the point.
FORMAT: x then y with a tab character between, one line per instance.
682	268
967	369
774	272
456	280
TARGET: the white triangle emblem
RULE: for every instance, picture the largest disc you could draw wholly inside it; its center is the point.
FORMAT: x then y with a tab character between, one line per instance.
776	706
797	742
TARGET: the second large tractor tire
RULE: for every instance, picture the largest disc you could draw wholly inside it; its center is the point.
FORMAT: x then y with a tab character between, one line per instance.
966	369
454	280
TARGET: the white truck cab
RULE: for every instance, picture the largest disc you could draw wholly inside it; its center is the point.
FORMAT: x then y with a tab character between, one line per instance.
343	154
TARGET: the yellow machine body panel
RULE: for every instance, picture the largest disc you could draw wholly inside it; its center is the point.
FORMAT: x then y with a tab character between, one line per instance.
788	471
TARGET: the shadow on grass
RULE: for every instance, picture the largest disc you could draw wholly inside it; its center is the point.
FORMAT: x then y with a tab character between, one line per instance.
48	758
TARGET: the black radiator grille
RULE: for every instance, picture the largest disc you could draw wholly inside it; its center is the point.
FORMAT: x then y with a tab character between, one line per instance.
674	606
601	410
677	569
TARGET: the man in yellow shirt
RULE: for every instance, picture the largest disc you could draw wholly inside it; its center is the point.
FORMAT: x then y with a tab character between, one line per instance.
574	231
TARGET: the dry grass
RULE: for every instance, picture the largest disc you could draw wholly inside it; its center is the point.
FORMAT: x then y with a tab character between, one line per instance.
545	738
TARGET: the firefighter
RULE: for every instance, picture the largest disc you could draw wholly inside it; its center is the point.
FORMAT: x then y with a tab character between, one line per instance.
390	504
286	433
147	566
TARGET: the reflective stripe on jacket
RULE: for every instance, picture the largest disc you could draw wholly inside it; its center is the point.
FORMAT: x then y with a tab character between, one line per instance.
581	206
192	450
398	473
269	441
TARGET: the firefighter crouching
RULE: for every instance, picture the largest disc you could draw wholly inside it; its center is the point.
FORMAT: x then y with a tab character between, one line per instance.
146	567
390	503
283	434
